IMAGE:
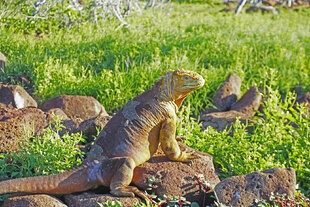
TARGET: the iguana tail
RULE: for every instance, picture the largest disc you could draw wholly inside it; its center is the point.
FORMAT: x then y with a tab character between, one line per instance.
78	179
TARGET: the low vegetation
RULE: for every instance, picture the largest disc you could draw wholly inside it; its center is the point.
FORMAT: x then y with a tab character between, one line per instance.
272	141
43	155
114	64
123	62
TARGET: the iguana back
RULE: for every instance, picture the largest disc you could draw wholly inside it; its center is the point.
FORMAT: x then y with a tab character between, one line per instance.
129	139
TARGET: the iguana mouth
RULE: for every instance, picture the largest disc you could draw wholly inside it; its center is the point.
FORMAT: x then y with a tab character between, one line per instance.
194	85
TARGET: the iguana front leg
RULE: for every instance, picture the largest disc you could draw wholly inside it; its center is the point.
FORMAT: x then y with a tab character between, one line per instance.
169	143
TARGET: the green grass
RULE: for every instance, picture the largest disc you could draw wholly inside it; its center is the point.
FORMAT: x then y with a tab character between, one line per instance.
116	65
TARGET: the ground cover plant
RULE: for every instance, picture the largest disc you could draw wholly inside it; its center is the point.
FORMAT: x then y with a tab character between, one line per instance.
43	155
272	141
81	61
114	64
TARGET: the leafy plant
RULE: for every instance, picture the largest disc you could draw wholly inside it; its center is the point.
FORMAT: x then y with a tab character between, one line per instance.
284	201
43	155
277	139
167	201
111	204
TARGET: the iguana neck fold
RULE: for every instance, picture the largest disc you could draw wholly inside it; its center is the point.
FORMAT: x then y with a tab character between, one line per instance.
166	87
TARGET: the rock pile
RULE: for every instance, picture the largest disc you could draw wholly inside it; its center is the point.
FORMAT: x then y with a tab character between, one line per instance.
14	96
19	114
263	9
229	108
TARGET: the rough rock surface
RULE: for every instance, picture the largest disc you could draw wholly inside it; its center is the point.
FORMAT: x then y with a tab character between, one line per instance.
3	61
245	189
221	120
57	112
89	199
228	93
17	79
14	96
76	107
264	9
249	102
252	9
39	200
243	109
14	124
89	127
177	178
228	9
305	100
2	105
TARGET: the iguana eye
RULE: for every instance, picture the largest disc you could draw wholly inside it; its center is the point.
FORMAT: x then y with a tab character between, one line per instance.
186	78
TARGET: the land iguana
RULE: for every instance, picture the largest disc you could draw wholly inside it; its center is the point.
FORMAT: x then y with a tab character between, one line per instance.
129	139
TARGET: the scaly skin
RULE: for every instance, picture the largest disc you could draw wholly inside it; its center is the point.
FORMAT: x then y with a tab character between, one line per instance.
129	139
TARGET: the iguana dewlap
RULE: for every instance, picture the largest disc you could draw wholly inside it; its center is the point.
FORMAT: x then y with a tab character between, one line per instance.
129	139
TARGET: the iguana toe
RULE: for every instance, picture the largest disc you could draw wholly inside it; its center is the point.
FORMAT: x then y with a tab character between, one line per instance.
126	191
137	192
187	156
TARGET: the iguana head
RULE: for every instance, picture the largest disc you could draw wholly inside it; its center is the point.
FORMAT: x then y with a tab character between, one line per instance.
176	85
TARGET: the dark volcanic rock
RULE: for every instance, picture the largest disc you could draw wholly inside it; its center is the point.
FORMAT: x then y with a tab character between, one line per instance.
57	112
89	127
249	102
40	200
252	9
15	96
91	200
228	9
305	100
228	93
14	124
244	190
17	79
76	107
177	178
222	120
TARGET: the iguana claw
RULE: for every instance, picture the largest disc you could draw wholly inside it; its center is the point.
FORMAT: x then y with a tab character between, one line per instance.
188	155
